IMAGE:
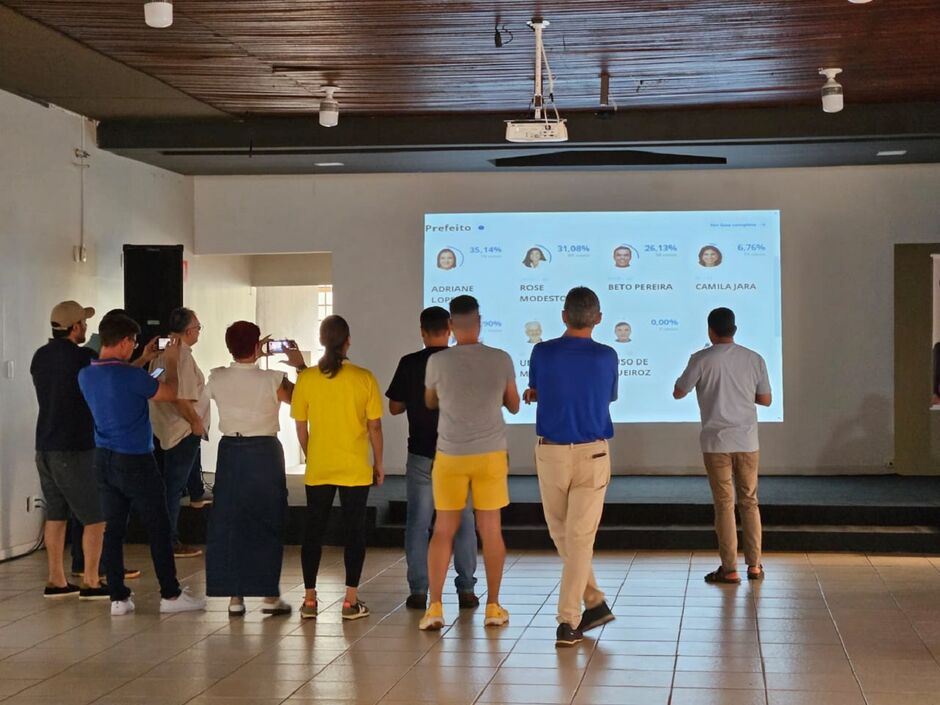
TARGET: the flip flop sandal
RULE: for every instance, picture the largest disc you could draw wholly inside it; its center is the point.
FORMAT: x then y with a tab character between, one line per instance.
756	576
721	576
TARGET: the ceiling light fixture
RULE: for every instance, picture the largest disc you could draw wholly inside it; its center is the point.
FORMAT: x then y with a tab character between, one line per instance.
859	2
891	153
158	13
329	164
329	108
832	101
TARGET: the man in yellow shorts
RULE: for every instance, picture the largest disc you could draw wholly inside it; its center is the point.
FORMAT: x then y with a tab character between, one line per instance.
470	384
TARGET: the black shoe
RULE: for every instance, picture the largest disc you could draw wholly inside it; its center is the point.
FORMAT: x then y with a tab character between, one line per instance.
594	617
566	635
468	600
53	592
416	601
94	593
129	574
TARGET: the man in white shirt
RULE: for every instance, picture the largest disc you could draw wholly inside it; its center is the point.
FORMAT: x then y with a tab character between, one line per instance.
181	425
729	380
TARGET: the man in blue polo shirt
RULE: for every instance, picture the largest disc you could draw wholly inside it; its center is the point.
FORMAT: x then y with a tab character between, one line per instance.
117	394
574	380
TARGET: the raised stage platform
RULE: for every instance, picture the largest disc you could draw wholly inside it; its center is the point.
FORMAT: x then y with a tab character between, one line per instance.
884	513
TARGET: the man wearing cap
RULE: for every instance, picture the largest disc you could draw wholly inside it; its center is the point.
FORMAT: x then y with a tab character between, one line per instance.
65	447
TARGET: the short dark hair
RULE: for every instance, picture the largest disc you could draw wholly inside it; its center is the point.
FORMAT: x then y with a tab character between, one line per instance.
59	334
180	318
582	307
114	329
434	320
116	312
464	304
241	339
721	321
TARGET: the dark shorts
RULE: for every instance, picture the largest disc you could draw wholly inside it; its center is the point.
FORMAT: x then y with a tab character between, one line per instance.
68	483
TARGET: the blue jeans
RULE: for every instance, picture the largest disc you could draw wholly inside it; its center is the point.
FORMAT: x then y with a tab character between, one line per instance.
178	463
128	482
418	531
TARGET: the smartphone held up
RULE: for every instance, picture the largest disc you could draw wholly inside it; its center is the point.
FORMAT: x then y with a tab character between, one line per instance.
277	346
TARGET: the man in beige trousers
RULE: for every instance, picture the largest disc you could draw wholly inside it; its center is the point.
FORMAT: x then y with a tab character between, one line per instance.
574	380
729	380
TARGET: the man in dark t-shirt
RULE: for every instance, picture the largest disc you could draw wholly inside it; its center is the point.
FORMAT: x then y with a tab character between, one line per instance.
65	446
406	394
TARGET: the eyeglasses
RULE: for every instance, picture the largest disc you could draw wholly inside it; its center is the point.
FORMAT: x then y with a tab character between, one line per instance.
135	342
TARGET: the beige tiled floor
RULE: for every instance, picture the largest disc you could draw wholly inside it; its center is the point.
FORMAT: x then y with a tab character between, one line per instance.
821	630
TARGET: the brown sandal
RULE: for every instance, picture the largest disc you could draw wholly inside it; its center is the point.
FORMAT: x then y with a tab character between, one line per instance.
755	576
721	576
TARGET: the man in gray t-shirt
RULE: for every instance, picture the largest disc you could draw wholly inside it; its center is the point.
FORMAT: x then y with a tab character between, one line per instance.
470	384
729	380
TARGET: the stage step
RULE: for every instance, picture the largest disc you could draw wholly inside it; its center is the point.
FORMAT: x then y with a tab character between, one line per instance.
633	514
806	537
878	514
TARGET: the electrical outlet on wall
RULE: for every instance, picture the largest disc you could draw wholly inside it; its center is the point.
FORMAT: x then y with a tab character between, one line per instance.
35	503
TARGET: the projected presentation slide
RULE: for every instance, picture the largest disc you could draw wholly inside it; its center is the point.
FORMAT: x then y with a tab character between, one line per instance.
657	275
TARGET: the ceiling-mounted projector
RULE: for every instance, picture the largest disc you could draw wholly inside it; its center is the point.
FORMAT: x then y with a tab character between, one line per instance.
540	128
536	131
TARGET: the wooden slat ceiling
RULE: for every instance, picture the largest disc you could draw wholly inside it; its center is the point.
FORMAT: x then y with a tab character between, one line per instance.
270	57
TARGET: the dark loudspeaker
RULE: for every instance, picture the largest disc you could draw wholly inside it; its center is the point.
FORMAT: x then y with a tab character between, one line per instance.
153	286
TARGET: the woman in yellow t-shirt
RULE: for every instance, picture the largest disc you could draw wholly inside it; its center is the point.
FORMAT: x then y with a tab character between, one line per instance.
338	410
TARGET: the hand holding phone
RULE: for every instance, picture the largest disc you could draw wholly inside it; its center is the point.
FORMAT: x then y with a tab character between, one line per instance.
156	372
162	343
277	346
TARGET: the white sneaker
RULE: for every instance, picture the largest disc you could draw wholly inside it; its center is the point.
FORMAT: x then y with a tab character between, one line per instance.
121	607
184	603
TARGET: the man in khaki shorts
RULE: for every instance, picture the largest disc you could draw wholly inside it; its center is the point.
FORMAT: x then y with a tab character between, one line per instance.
729	380
574	380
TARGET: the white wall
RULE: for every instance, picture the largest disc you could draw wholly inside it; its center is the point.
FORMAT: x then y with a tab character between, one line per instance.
838	230
126	202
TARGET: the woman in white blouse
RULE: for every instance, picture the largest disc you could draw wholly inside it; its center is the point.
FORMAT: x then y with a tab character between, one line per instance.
245	544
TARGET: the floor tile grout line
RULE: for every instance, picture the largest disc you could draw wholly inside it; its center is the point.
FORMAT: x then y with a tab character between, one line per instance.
903	611
835	624
824	583
760	644
685	594
337	562
587	665
516	640
423	653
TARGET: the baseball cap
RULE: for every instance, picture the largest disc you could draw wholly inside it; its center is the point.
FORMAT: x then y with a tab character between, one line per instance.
68	313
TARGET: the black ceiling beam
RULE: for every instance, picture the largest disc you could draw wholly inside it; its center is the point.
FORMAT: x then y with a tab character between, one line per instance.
475	131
